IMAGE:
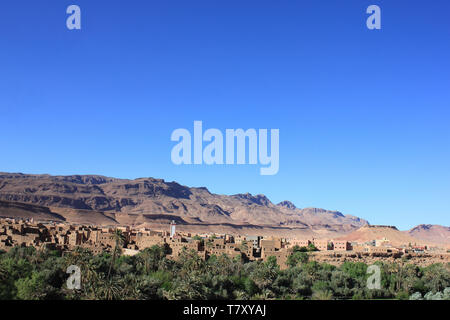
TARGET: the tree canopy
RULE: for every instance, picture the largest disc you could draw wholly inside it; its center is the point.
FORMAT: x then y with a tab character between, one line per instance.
28	273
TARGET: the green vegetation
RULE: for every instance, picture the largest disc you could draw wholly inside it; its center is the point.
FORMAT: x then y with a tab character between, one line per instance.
28	273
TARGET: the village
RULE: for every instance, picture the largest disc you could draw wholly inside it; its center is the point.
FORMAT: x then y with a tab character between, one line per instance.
66	237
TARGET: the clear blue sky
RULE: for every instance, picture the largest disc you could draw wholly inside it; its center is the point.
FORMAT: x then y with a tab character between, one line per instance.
364	116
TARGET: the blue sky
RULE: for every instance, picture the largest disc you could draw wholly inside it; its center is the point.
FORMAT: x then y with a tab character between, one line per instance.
363	115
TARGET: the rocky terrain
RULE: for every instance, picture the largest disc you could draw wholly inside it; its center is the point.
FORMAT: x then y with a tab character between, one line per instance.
149	202
152	202
433	233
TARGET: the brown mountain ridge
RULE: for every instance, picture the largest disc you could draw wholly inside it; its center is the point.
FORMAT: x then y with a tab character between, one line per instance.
151	202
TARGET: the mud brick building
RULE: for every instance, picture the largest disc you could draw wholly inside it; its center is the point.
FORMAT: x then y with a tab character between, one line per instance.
341	246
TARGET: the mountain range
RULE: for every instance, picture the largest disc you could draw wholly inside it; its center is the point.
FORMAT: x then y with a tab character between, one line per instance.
153	203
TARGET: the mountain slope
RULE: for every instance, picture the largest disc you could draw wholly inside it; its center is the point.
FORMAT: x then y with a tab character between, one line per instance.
145	200
432	233
395	237
27	211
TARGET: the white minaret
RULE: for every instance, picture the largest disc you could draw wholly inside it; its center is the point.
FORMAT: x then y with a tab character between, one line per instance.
172	228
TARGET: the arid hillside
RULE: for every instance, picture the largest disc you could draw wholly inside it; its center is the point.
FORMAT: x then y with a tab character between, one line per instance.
433	233
153	202
28	211
395	237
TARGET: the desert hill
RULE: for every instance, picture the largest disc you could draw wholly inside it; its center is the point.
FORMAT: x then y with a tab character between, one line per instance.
148	201
27	211
432	233
396	237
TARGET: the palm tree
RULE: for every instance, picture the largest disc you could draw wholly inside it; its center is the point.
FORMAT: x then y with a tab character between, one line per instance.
322	295
119	241
109	289
143	260
130	287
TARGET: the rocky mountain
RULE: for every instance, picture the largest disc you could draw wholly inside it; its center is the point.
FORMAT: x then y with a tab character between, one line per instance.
287	204
148	202
432	233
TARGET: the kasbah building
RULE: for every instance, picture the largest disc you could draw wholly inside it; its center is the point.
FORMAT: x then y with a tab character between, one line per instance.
66	237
